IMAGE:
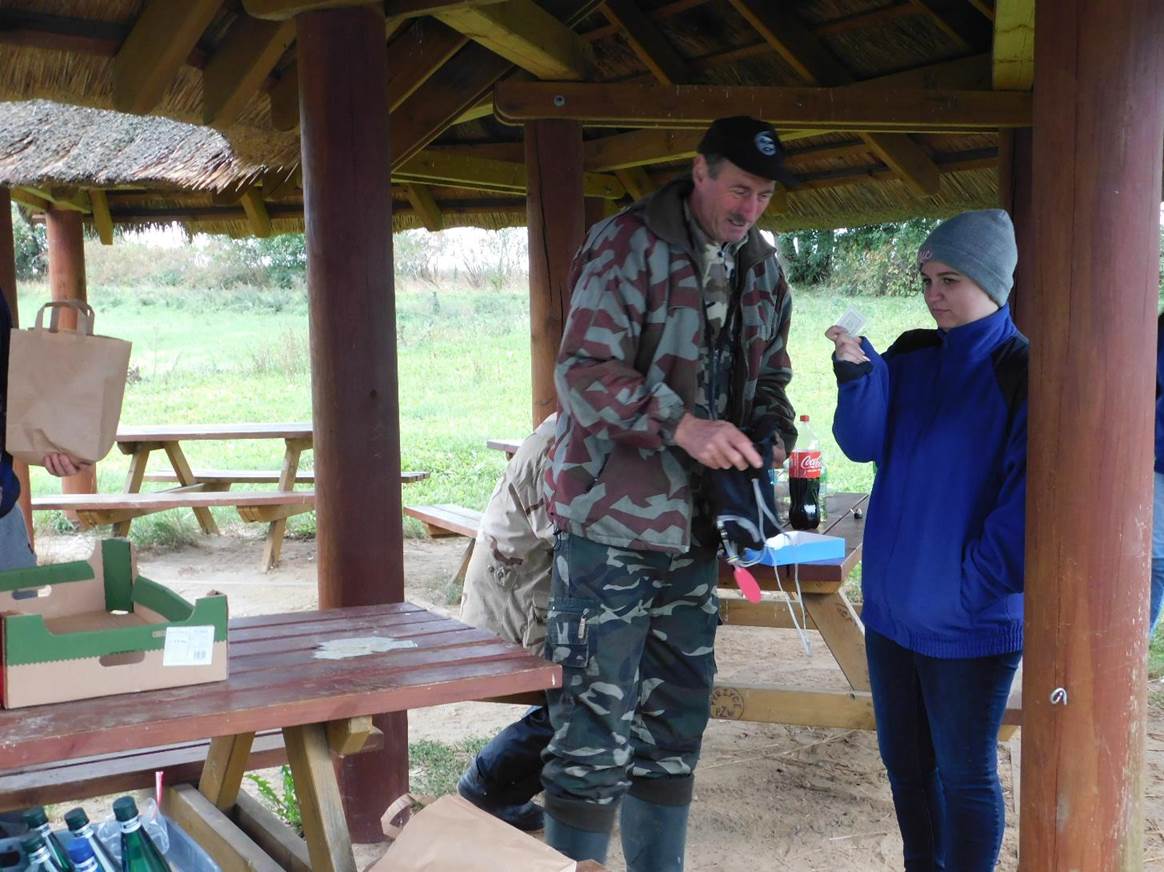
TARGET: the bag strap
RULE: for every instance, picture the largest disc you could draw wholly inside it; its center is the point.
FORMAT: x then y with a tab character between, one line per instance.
84	316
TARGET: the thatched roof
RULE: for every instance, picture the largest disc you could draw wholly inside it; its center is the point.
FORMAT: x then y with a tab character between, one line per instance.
68	50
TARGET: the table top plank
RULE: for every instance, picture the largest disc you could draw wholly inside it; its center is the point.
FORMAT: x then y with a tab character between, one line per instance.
456	664
184	432
164	500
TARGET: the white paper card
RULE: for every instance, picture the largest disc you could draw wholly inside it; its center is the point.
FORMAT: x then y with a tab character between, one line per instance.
852	322
188	646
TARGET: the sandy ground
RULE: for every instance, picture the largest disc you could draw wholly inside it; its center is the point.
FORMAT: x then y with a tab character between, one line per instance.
767	796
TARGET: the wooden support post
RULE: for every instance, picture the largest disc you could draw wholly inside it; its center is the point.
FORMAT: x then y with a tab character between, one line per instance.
226	763
347	211
1015	196
8	286
66	269
319	800
1097	167
553	158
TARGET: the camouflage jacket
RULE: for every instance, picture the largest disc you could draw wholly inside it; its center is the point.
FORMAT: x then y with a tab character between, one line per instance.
628	368
507	582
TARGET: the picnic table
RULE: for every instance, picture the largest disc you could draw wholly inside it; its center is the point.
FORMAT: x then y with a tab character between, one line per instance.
201	490
278	682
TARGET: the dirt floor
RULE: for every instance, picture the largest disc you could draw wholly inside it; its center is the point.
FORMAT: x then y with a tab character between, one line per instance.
767	797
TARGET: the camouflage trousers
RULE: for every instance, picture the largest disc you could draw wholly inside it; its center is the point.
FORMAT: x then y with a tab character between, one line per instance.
634	632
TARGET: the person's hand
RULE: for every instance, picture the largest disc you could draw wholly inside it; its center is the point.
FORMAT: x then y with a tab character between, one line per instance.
779	455
848	347
716	444
62	465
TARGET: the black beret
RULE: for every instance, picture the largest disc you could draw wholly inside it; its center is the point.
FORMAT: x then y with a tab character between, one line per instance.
750	144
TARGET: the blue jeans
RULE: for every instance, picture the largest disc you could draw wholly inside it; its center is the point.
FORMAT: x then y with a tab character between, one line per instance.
1157	596
511	764
937	728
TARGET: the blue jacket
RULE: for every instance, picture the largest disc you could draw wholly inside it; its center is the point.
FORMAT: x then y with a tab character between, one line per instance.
943	414
9	483
1159	466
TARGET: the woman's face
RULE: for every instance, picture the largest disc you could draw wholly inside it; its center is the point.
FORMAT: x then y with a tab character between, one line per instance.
952	298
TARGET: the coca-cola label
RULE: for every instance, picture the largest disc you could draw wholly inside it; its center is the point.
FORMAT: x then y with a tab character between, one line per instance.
804	464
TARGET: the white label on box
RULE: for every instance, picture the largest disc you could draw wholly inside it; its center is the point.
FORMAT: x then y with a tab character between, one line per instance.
852	322
188	646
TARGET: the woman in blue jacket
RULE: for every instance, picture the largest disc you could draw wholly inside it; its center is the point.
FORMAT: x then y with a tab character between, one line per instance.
943	414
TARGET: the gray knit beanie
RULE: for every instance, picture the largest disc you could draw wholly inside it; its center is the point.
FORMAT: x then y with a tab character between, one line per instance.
980	245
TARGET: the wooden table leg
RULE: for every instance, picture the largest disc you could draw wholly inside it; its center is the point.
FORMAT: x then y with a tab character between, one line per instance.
843	632
226	763
186	478
137	468
320	804
278	527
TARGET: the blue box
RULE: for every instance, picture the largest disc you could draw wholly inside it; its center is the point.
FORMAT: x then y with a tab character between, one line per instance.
797	546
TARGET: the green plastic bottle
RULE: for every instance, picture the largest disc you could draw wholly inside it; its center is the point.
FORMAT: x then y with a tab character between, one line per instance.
78	823
37	821
138	852
40	858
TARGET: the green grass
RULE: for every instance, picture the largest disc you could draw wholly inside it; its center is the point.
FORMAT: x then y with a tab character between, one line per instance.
464	372
434	767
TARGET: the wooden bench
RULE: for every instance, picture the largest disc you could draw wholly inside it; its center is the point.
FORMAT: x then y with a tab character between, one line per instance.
86	777
228	477
446	519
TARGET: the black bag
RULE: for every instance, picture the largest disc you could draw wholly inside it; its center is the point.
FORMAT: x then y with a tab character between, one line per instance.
744	504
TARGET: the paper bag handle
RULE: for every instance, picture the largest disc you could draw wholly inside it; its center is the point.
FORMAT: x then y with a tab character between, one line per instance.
84	315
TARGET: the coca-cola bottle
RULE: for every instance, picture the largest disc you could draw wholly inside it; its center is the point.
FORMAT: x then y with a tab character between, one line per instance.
804	467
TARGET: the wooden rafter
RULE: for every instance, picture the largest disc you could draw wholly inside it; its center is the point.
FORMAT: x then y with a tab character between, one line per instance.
241	65
281	10
417	8
70	199
1014	45
866	20
458	87
639	148
31	200
102	220
524	34
637	182
959	20
850	107
426	207
284	100
159	43
279	181
814	63
482	174
257	215
417	53
648	42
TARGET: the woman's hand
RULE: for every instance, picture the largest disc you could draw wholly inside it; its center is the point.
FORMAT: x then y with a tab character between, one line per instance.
848	347
62	465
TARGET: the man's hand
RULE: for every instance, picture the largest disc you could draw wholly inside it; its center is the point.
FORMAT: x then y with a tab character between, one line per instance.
848	347
62	465
716	444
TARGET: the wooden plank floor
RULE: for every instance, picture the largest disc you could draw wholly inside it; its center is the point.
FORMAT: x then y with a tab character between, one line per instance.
277	681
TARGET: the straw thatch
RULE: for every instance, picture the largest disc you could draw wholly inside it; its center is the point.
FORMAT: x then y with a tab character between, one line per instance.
41	145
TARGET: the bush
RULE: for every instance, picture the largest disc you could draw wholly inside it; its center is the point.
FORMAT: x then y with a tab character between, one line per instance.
31	243
881	259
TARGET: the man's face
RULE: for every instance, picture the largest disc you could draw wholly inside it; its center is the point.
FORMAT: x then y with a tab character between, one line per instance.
728	204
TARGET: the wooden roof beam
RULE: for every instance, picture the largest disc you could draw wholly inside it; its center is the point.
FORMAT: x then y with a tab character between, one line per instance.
850	107
417	8
240	66
284	100
1014	45
63	198
282	10
159	43
425	206
33	201
960	20
422	49
482	174
257	215
813	61
102	220
458	87
524	34
636	181
648	42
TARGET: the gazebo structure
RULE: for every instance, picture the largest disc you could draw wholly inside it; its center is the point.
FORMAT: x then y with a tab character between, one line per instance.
356	117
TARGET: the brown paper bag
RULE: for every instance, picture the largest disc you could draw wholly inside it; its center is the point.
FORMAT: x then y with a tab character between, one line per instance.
453	835
64	388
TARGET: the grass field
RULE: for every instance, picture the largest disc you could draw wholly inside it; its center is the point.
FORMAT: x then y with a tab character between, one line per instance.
242	355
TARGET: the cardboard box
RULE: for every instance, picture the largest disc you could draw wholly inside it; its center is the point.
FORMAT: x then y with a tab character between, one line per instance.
95	628
797	546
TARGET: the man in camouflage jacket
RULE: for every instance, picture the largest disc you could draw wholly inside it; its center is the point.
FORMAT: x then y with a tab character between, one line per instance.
674	358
